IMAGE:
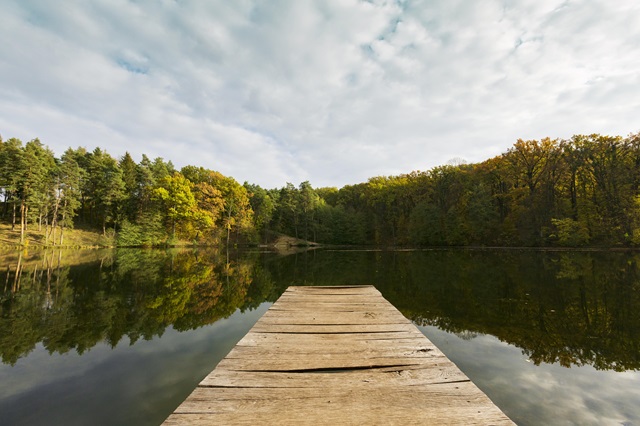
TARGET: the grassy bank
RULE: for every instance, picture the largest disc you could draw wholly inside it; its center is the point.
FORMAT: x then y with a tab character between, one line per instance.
87	237
73	238
10	239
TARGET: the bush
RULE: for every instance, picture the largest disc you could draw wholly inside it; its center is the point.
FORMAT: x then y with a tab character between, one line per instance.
569	232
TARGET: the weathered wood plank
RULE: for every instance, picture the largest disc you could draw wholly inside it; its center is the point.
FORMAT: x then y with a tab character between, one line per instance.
325	362
331	318
290	350
312	290
329	328
255	338
336	355
423	374
307	306
330	342
455	403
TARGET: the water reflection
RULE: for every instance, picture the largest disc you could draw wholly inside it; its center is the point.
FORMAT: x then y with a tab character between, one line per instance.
548	394
572	308
124	293
512	320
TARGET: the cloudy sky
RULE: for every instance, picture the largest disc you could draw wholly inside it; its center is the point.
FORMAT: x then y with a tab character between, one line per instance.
330	91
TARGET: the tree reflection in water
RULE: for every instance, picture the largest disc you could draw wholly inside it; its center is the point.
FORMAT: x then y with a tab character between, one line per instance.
132	293
569	307
572	308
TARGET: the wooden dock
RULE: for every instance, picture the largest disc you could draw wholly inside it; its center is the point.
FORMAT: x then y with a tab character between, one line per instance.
336	355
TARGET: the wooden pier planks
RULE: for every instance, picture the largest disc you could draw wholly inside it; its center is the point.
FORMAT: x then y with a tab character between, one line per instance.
336	355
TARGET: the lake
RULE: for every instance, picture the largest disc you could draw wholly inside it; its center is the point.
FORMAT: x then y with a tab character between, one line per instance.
123	336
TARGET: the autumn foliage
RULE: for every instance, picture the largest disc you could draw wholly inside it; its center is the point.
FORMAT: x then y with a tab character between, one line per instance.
583	191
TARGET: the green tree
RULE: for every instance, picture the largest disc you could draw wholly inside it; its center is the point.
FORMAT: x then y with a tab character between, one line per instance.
68	193
161	169
174	192
42	163
11	172
535	168
238	216
263	206
288	216
308	201
107	188
132	190
34	176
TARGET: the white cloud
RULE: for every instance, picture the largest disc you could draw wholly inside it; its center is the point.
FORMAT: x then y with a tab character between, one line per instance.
332	92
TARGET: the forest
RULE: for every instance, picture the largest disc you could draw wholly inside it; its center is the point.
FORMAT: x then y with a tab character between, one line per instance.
584	191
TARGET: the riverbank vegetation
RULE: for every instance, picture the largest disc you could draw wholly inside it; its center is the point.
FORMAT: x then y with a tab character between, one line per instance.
584	191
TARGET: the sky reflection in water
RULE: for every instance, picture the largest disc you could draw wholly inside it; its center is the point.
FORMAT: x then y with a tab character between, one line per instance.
546	394
578	309
129	384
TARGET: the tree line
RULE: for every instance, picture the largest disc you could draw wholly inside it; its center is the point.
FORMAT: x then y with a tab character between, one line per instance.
146	203
583	191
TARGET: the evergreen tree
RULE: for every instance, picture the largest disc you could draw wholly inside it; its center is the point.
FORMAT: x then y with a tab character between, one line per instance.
107	187
132	191
11	171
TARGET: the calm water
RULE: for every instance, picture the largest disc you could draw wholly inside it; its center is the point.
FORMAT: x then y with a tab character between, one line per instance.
123	336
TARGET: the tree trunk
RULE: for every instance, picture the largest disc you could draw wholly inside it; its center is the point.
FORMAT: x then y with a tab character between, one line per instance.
64	215
13	221
23	213
5	204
